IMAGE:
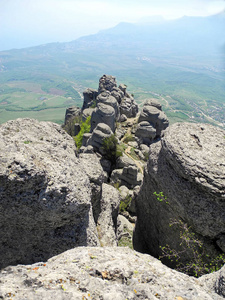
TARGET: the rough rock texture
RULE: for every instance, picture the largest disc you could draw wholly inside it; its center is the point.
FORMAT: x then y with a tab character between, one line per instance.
128	176
106	98
128	107
100	132
101	273
92	167
146	132
103	113
215	281
45	195
188	166
107	83
151	116
107	220
71	113
124	161
90	96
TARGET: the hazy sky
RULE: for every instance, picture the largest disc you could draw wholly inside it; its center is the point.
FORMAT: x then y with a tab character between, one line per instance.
25	23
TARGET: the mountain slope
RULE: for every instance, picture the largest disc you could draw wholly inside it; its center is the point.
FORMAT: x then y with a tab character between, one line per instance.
181	62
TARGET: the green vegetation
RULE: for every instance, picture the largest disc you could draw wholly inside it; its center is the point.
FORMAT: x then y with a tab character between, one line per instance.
84	128
69	127
126	241
189	91
110	149
201	263
124	204
190	246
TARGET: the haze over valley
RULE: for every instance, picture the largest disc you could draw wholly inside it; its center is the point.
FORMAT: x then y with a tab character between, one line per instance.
180	62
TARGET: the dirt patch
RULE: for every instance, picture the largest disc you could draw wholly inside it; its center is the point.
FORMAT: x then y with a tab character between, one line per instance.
57	92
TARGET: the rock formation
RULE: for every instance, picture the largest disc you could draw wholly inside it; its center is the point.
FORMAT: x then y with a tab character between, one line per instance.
102	273
152	122
71	113
46	196
188	166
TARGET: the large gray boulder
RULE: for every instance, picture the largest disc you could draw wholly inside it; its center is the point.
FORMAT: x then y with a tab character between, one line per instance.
128	107
107	83
90	96
128	176
155	117
103	113
146	132
188	166
101	273
101	132
71	113
45	194
106	98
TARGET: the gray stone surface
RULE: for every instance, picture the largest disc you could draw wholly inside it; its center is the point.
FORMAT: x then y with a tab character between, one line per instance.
188	166
71	113
153	102
45	195
155	117
107	82
111	273
106	98
92	167
124	161
101	132
107	220
127	176
103	113
215	281
128	107
146	132
90	96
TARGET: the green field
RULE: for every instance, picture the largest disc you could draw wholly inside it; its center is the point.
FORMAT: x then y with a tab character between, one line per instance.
41	82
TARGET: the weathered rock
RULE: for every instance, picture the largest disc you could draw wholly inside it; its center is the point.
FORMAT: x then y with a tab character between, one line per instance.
128	107
107	82
87	113
118	94
188	166
107	220
92	167
106	98
127	176
153	102
146	132
155	117
101	132
123	118
103	113
90	96
215	282
101	273
124	231
45	195
71	113
124	161
85	139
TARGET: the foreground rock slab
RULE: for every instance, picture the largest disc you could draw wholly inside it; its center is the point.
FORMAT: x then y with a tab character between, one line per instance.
45	193
188	166
101	273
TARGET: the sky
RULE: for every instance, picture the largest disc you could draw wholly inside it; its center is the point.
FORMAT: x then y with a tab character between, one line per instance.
25	23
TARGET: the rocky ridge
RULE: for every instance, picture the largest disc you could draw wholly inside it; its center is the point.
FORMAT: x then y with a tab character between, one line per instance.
105	273
187	165
54	197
